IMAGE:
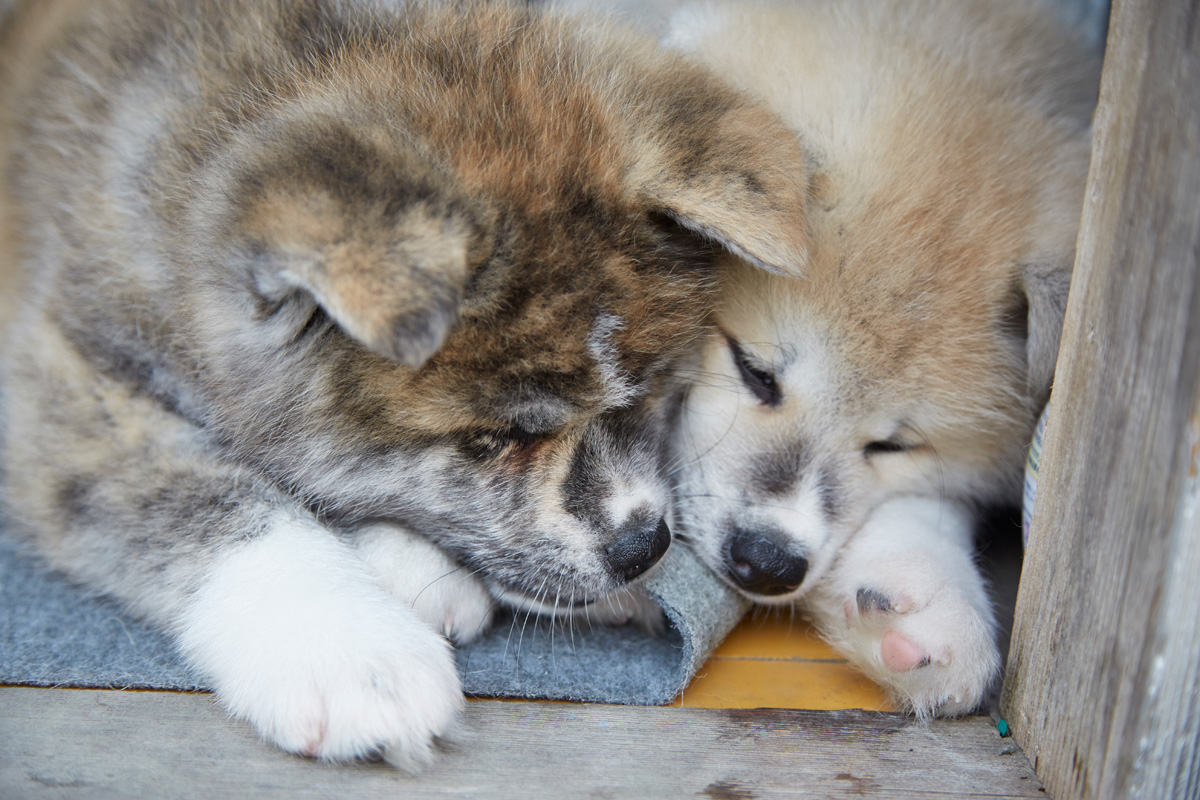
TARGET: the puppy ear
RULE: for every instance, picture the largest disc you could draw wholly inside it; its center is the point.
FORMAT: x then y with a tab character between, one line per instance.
386	253
739	178
1044	289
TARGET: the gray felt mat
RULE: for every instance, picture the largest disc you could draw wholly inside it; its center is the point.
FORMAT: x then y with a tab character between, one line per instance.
54	634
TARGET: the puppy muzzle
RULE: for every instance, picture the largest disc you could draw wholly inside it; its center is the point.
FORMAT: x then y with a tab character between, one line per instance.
641	545
757	562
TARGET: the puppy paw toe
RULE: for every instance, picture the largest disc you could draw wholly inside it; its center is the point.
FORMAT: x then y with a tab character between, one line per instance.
901	654
939	667
457	606
444	595
870	601
937	657
874	603
464	621
394	701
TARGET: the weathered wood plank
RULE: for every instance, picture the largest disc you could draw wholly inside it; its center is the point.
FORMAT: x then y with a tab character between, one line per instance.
104	744
1103	688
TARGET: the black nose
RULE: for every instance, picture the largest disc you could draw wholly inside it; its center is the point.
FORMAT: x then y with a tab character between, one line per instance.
639	548
758	564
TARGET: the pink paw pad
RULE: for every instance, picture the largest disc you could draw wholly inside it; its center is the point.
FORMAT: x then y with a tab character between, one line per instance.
901	654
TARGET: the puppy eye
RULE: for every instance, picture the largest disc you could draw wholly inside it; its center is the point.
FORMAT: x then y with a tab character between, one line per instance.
759	381
488	444
520	437
886	446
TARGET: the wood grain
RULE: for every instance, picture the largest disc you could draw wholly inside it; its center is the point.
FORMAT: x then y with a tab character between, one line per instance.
104	744
774	659
1103	687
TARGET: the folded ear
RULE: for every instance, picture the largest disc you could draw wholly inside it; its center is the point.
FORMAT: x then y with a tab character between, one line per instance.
1044	288
385	252
737	176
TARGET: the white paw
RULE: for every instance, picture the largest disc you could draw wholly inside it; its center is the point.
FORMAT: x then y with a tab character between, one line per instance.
297	638
416	572
905	603
925	641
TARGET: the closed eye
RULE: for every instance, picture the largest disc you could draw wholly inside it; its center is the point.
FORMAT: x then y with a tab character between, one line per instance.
887	446
514	439
522	438
759	381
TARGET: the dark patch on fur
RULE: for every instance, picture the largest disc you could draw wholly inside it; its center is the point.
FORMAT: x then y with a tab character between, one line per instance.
417	334
751	183
689	110
679	251
587	208
1014	316
776	473
318	322
870	601
188	497
73	496
135	369
535	409
312	31
140	47
332	158
625	437
587	487
483	446
830	491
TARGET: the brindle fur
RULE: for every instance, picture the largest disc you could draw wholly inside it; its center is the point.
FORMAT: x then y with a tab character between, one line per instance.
362	261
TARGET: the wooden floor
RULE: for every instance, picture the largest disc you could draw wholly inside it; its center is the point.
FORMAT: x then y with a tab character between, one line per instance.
746	728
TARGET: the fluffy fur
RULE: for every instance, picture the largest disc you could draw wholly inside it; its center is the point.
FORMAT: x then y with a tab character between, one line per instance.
330	300
843	427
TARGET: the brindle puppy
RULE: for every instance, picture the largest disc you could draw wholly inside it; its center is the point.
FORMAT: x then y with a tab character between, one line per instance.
319	291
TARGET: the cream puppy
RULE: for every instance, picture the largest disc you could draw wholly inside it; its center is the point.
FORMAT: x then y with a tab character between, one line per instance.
843	428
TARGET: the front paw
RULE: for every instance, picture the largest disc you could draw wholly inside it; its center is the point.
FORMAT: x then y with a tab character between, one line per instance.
297	638
928	644
416	572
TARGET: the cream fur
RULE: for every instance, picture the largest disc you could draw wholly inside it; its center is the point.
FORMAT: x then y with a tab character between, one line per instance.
948	144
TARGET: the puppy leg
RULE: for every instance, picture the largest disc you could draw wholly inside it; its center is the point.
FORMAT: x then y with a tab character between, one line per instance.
907	605
299	639
417	573
285	620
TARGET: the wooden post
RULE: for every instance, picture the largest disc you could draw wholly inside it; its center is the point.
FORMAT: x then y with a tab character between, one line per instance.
1103	689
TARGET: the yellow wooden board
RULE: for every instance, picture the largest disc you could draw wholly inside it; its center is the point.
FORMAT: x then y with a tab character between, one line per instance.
776	660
